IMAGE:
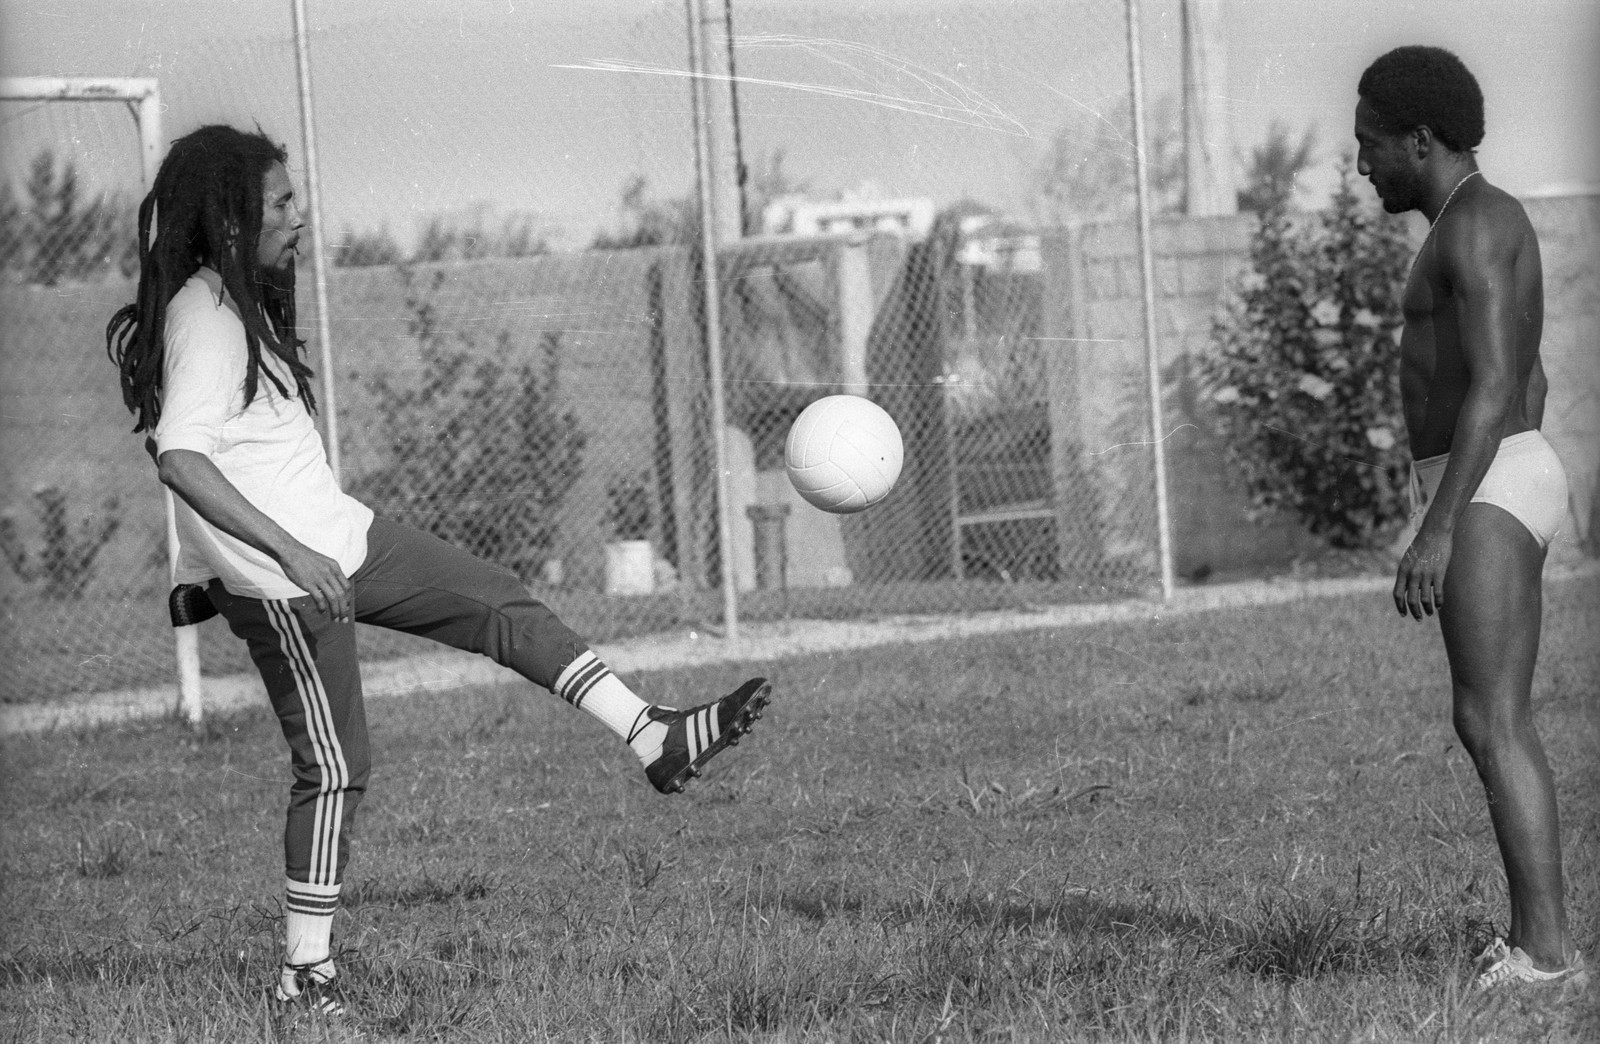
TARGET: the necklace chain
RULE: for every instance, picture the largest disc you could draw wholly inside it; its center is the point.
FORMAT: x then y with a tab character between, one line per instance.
1470	174
1435	222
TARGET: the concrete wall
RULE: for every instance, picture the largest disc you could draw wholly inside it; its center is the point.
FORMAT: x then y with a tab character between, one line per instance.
1569	242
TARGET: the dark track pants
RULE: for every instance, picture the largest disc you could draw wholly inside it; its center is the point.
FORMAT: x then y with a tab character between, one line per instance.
412	582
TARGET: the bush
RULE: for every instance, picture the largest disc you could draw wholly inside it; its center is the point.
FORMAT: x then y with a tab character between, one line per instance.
65	559
1303	386
478	453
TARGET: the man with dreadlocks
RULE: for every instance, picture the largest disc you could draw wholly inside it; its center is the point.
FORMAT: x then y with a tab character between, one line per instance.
1488	491
211	366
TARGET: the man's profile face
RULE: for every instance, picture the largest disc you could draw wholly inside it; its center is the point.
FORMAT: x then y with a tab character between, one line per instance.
1385	159
280	222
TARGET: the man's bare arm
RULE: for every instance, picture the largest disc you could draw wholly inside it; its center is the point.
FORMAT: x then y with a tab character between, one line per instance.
1477	255
194	477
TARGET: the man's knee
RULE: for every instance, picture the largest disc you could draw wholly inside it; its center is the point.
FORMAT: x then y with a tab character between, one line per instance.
1471	723
1484	718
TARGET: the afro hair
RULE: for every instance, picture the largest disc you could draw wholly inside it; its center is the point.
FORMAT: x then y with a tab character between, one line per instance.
1429	87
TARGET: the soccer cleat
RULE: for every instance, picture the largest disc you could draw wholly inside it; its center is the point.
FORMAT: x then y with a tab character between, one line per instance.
1499	966
695	736
313	987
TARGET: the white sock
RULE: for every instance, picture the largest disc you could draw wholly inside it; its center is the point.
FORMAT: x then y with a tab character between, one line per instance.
309	921
590	686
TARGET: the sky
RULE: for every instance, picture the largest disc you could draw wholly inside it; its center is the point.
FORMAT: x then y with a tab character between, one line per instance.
551	107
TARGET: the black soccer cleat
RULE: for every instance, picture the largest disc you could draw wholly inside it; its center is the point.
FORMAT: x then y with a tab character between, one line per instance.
697	735
311	988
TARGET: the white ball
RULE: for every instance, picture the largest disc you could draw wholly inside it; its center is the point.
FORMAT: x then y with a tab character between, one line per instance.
844	453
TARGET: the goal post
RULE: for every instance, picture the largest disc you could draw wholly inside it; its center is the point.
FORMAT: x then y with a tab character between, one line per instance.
142	95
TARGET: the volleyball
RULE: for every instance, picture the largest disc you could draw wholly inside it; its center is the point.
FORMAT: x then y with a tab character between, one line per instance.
844	454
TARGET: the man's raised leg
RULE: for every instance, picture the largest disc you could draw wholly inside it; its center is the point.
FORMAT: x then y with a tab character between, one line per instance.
415	582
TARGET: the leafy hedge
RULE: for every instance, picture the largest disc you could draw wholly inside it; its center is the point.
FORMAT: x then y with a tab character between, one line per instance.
1303	385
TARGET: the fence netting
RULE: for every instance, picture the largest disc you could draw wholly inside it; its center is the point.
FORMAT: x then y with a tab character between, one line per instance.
541	395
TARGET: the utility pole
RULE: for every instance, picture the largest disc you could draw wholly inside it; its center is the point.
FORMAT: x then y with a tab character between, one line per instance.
1207	140
713	26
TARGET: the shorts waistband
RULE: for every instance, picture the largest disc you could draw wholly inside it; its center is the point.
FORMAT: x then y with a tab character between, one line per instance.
1509	442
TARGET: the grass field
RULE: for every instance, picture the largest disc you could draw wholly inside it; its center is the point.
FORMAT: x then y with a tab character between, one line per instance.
1234	826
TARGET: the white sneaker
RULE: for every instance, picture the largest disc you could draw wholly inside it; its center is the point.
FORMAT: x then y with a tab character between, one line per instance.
1495	952
1500	966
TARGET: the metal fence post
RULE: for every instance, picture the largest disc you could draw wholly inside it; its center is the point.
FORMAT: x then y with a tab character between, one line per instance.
319	265
711	292
1148	279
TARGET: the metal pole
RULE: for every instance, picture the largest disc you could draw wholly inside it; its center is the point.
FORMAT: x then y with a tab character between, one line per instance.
186	639
319	267
1152	356
711	295
740	172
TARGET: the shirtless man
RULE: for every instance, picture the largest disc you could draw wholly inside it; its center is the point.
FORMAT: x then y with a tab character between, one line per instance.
1488	491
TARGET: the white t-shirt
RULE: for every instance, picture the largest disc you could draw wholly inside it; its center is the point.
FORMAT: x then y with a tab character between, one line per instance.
270	451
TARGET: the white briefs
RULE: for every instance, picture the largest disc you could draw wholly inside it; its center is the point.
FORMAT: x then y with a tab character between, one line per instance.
1525	479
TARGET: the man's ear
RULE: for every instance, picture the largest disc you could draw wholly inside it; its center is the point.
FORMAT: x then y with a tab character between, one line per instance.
1422	141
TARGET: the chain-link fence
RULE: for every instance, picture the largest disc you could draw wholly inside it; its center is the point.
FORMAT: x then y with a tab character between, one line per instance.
81	520
552	410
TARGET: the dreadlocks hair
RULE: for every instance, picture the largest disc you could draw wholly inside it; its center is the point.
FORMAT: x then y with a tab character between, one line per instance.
207	205
1429	87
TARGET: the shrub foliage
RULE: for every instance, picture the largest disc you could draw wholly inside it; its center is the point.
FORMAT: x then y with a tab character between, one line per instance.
1303	384
65	558
478	452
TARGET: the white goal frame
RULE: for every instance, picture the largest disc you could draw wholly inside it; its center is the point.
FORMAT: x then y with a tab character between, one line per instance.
142	95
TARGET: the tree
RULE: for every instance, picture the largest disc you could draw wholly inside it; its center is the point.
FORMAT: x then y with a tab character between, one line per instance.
472	235
366	249
477	449
650	222
769	185
1274	166
675	221
55	234
1088	169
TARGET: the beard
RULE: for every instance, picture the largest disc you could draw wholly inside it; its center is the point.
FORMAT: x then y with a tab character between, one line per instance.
1399	195
279	277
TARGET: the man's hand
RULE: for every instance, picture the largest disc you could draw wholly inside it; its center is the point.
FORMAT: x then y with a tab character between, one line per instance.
194	477
1419	583
322	579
